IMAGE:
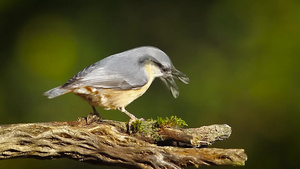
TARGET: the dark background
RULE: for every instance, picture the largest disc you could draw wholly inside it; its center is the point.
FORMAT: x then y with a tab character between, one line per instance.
242	58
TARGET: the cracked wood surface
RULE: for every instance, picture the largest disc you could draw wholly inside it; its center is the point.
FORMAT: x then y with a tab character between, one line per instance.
107	142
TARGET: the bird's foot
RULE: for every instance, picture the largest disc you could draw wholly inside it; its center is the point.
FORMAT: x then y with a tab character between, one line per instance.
134	125
91	118
132	119
95	112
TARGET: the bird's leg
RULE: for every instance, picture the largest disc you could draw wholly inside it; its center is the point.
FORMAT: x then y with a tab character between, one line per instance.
93	117
132	118
95	112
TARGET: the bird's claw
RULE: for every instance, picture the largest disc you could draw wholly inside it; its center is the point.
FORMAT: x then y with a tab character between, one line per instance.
131	121
93	117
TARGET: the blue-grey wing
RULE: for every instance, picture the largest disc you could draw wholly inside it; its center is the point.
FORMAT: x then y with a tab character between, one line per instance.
111	72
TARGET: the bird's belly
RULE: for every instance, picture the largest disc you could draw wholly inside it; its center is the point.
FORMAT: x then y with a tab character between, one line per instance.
110	98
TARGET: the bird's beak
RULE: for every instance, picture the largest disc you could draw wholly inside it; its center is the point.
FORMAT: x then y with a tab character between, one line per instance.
170	82
179	75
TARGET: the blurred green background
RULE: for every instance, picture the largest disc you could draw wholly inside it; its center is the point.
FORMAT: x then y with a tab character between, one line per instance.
242	58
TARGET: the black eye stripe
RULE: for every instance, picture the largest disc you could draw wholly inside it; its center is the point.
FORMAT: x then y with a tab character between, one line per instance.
158	64
162	67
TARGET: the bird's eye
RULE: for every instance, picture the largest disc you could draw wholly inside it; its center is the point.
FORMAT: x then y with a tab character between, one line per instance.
165	69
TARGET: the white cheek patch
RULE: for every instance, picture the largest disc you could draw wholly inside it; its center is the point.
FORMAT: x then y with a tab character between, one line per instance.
153	69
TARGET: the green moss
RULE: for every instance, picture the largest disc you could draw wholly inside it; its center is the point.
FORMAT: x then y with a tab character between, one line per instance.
150	128
173	121
136	126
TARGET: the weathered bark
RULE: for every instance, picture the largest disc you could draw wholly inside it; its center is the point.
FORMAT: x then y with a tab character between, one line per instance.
108	143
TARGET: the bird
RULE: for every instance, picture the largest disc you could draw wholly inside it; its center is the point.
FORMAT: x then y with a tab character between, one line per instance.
117	80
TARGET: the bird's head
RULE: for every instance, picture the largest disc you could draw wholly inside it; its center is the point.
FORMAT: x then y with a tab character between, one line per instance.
167	72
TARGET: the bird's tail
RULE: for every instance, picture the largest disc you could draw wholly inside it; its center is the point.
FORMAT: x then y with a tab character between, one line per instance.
56	92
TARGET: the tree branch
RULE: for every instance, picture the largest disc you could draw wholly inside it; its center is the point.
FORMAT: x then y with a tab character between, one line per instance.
107	142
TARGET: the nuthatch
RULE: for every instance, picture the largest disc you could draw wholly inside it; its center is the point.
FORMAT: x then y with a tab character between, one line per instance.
117	80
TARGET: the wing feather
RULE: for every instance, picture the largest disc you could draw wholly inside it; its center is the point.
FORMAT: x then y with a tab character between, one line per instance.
115	71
